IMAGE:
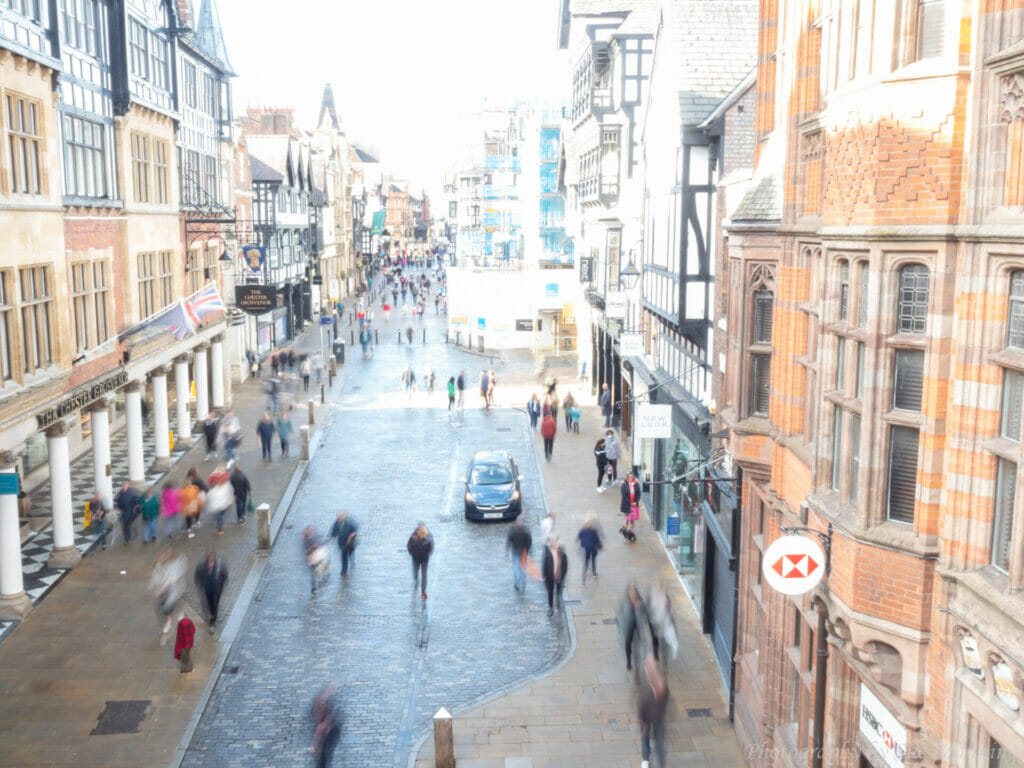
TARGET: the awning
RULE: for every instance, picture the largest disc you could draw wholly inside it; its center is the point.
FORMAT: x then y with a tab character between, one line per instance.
378	222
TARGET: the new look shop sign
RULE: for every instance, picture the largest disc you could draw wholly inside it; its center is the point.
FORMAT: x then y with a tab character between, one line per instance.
654	422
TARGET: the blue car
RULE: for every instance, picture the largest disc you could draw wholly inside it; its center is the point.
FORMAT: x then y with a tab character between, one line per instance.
492	487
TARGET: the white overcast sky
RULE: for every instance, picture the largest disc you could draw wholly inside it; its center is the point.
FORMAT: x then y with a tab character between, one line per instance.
406	73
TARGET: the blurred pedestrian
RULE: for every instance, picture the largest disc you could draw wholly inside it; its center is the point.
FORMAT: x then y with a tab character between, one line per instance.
170	507
556	565
284	432
150	514
326	726
552	400
408	381
211	576
451	393
430	383
519	543
100	509
460	385
127	503
221	496
409	330
317	558
663	628
548	427
633	624
344	530
590	539
567	405
611	452
574	418
547	527
242	492
651	705
492	381
421	547
602	464
291	360
191	501
485	384
184	641
210	429
305	369
275	362
167	583
265	431
606	404
533	410
230	436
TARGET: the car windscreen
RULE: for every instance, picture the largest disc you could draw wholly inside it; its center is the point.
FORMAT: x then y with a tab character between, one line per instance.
490	474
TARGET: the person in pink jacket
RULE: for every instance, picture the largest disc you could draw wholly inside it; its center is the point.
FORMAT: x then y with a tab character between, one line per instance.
170	507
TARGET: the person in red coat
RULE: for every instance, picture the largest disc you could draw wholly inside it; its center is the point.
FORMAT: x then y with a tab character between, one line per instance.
184	641
548	427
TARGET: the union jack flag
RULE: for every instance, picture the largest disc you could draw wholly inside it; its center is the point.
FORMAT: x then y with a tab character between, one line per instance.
204	303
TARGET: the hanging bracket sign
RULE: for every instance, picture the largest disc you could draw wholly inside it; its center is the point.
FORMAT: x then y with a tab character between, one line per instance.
793	565
256	299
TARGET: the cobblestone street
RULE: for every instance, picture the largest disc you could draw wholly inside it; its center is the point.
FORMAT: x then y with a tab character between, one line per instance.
395	658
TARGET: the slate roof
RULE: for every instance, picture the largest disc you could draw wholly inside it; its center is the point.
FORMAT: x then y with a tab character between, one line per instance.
763	202
261	171
714	44
363	155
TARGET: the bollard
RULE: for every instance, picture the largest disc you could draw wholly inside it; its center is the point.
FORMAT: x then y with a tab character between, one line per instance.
333	366
350	316
376	337
304	435
330	377
424	335
322	398
312	419
444	745
399	337
352	338
263	526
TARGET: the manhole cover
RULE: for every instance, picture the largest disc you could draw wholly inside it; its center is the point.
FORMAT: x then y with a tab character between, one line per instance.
503	429
693	713
609	621
120	717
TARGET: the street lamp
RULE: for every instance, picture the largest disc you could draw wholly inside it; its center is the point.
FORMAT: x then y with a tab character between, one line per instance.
629	274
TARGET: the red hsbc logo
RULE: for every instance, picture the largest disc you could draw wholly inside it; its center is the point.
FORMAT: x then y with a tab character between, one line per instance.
795	566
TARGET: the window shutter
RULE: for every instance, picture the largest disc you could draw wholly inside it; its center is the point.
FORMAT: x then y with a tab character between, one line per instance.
903	444
931	28
909	380
763	306
1002	531
1015	321
760	382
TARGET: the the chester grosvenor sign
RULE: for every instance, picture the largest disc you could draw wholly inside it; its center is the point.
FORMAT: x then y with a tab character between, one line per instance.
80	398
256	299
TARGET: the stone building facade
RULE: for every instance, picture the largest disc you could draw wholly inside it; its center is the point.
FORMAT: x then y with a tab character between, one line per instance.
875	315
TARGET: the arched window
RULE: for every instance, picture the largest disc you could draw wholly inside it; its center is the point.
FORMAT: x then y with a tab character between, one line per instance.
912	302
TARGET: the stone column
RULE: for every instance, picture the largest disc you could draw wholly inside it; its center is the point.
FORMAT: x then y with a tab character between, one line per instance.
133	432
65	553
161	432
14	603
183	421
202	379
99	415
217	366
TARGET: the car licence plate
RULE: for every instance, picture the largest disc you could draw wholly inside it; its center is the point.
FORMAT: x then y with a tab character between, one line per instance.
493	515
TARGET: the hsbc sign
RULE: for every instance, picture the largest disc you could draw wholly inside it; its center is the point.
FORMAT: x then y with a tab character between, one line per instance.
793	565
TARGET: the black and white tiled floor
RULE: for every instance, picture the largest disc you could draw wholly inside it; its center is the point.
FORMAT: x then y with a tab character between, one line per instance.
36	550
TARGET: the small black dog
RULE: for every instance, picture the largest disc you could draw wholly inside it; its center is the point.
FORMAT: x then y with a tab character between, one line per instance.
627	534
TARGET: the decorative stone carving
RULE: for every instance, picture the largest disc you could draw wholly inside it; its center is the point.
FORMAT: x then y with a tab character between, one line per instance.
133	386
760	275
160	370
182	359
813	146
102	404
1011	97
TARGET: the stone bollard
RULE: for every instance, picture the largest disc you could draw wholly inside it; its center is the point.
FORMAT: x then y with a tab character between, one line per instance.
312	418
444	746
263	527
334	366
304	435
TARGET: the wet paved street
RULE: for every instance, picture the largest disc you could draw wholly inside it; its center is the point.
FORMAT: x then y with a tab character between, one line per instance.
395	659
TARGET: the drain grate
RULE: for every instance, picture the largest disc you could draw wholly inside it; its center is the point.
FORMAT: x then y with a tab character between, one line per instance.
503	429
694	713
233	670
120	717
609	621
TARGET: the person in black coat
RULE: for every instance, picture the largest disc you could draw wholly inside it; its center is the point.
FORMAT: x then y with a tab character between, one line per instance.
630	501
602	462
211	576
556	565
240	485
420	546
590	540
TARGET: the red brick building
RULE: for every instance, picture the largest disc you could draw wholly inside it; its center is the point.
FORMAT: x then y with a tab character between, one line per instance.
875	375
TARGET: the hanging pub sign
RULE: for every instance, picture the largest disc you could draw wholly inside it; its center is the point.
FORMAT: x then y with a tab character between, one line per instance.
254	256
631	344
256	299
